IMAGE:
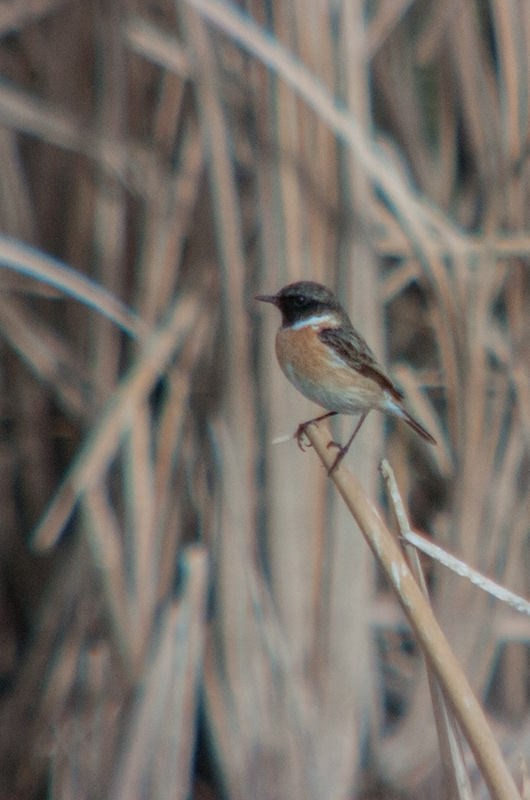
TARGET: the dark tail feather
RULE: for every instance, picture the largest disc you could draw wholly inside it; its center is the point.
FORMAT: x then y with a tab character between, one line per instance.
417	427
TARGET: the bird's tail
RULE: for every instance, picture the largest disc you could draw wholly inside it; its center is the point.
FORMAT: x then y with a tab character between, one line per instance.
415	425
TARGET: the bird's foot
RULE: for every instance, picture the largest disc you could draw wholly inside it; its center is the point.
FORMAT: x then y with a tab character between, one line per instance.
340	455
302	428
300	433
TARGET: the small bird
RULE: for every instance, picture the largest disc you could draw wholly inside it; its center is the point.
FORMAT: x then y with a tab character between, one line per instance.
325	358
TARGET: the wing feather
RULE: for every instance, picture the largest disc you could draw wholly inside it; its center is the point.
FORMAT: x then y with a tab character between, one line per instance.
352	348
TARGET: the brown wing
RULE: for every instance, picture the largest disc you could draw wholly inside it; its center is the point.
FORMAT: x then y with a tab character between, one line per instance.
351	347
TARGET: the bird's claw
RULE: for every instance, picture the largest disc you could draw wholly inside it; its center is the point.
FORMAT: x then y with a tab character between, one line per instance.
300	433
340	455
335	444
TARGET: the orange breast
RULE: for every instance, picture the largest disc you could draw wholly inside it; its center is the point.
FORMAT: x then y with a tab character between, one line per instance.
323	377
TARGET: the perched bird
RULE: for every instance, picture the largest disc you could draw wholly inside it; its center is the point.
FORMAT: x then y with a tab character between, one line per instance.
322	354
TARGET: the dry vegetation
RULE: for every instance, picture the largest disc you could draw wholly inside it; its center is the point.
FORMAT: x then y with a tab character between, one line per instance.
188	610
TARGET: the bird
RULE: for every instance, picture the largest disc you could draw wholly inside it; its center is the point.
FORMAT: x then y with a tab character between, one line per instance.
329	362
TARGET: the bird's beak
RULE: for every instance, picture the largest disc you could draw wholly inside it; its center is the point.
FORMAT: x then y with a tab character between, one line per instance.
267	298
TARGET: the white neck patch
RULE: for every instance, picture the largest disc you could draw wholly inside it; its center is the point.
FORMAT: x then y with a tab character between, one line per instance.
313	322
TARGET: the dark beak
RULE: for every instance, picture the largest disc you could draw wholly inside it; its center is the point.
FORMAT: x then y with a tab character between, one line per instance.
267	298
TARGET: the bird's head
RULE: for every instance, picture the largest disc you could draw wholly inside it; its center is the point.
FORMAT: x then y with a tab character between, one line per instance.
302	300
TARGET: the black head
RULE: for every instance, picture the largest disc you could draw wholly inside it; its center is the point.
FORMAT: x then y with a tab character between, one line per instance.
302	300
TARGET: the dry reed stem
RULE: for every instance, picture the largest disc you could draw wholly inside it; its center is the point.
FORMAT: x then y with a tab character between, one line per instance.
378	168
464	570
171	215
49	357
262	708
161	48
140	512
453	681
448	733
108	558
27	261
186	316
50	124
161	731
216	142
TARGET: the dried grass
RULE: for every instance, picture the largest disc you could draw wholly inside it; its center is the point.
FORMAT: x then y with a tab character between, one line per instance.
187	609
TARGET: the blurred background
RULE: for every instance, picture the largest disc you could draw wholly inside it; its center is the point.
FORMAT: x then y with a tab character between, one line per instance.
186	608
